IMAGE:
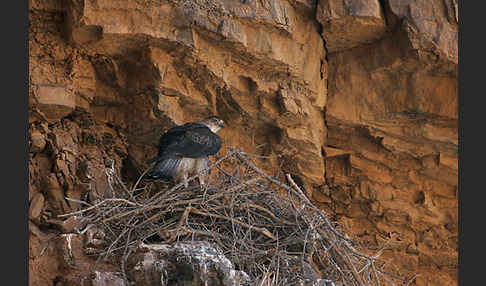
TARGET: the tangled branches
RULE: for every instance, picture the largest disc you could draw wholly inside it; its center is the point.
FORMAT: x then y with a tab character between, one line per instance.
266	227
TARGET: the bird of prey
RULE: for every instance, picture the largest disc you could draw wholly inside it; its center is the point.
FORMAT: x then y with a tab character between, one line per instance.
184	151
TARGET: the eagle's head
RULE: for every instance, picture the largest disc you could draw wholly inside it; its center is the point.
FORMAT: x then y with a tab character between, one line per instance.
213	122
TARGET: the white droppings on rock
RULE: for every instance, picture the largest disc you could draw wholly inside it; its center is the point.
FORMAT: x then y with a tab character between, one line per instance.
68	255
208	263
102	278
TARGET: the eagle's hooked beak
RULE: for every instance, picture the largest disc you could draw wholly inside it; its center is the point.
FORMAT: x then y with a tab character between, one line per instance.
221	123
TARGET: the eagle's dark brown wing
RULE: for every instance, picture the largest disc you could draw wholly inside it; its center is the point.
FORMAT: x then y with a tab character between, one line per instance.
193	140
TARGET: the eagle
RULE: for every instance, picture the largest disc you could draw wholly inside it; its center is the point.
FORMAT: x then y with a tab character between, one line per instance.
184	151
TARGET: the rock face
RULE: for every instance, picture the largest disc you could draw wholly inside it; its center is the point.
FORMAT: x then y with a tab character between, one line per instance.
347	24
359	97
392	142
195	263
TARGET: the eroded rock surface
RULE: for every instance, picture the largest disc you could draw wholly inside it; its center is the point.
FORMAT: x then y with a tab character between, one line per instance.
392	141
360	97
347	24
196	263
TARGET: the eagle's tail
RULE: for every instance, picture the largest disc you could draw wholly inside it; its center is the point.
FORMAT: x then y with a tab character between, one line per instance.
164	169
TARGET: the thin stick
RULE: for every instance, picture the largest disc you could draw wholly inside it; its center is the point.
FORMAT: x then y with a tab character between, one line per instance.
259	229
97	205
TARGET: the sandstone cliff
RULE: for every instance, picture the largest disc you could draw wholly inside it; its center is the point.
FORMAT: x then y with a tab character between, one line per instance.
360	97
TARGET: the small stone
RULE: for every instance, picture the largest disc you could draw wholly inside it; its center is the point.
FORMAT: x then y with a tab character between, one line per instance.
37	142
55	195
36	206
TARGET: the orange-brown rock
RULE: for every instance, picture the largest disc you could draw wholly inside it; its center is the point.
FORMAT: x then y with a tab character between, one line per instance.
37	142
359	97
392	119
350	23
35	207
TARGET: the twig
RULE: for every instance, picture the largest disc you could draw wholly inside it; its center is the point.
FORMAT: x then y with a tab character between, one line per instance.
97	205
259	229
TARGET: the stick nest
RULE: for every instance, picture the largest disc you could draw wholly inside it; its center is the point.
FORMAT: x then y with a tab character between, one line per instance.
266	227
